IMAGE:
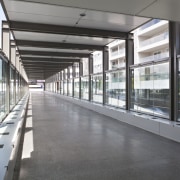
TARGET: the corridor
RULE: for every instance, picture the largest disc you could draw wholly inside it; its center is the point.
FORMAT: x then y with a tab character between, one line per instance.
64	141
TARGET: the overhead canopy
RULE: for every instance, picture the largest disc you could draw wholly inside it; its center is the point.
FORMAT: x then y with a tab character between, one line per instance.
50	35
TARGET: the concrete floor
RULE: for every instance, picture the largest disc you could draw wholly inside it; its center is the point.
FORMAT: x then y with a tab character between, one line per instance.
66	142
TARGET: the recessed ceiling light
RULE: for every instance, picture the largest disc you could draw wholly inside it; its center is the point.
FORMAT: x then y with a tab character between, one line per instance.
82	14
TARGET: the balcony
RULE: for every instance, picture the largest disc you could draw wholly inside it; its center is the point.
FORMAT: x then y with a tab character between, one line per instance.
118	53
154	57
154	39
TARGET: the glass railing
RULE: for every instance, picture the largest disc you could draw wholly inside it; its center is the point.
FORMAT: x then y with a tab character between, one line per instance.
97	88
154	39
120	52
115	88
154	57
150	23
115	66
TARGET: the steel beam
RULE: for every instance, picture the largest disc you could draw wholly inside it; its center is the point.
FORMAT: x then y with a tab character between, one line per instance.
65	30
51	53
56	45
33	59
129	61
174	50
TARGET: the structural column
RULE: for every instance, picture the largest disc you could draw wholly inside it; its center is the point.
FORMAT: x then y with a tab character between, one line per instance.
129	61
174	50
90	73
6	50
73	75
105	68
13	62
80	74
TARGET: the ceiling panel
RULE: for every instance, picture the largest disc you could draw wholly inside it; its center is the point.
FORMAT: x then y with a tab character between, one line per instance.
166	9
120	6
54	50
60	15
33	36
34	18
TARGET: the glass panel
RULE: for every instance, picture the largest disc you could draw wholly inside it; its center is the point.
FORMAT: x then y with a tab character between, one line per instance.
85	88
116	54
85	66
17	87
115	88
97	88
150	89
3	91
179	90
61	87
70	87
97	62
65	87
76	87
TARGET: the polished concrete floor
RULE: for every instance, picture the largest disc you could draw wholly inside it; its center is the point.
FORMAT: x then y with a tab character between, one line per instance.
64	141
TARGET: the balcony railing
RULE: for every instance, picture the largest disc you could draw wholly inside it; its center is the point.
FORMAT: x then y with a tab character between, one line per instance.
154	39
154	57
118	53
115	66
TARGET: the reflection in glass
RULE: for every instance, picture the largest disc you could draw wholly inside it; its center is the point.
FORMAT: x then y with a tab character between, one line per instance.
115	88
61	87
97	88
65	87
150	89
85	87
3	83
76	87
179	90
70	86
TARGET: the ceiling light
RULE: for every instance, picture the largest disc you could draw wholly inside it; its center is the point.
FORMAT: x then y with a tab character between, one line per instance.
82	14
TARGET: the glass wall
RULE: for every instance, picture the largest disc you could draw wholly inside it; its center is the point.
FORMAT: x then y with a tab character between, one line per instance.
17	86
116	88
150	89
3	84
76	87
179	89
61	87
65	87
85	87
97	88
70	87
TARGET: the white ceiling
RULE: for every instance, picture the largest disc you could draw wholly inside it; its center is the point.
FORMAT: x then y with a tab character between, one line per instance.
163	9
58	15
33	36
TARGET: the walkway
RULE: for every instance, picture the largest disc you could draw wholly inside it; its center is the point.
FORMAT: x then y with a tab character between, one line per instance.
64	141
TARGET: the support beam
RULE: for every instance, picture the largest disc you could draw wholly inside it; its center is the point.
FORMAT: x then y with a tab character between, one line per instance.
6	39
66	30
129	62
51	53
33	59
105	68
90	73
174	50
55	45
13	52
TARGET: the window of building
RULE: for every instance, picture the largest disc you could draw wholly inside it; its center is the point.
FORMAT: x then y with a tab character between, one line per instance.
85	87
